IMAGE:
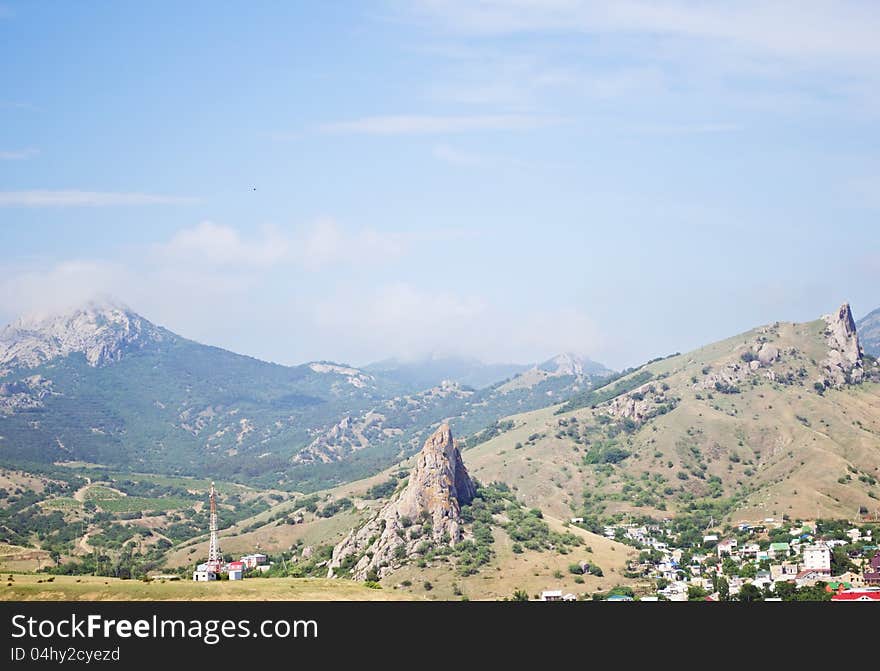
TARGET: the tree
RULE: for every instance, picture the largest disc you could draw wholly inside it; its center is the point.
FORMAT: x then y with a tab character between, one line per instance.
723	589
696	593
749	593
785	590
840	562
520	595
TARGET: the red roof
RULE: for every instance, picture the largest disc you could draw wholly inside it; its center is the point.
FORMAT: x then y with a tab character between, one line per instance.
856	595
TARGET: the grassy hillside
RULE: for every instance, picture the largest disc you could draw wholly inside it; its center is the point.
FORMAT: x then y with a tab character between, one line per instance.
686	438
89	588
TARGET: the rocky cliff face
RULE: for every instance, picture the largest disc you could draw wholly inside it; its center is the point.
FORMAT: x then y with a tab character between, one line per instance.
428	508
843	363
102	332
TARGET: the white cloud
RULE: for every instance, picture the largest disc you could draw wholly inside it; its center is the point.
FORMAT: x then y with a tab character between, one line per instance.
57	287
434	125
327	243
688	128
18	154
218	245
796	29
455	156
75	198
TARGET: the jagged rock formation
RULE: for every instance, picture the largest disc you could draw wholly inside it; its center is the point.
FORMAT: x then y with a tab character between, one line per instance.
843	363
428	508
102	332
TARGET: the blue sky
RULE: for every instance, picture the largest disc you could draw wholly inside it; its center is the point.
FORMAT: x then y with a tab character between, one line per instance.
499	179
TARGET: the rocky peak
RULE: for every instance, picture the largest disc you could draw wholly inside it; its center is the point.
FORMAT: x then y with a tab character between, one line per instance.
428	509
569	363
101	331
843	363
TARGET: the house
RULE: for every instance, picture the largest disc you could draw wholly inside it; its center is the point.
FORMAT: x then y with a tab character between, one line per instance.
710	538
551	595
204	573
851	578
569	597
750	550
817	557
577	520
862	594
762	579
727	547
872	575
254	560
235	570
778	550
809	578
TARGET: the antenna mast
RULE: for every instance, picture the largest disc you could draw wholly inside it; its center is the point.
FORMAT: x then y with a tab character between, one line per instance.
214	549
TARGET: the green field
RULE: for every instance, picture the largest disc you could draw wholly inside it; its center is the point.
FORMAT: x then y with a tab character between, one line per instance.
33	587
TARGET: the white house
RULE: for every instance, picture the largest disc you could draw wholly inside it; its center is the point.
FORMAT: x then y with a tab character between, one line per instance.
254	560
202	574
817	558
727	547
751	549
551	595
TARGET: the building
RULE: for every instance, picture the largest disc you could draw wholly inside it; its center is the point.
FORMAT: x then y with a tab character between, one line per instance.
817	558
727	547
551	595
204	573
861	594
778	550
254	560
872	575
235	570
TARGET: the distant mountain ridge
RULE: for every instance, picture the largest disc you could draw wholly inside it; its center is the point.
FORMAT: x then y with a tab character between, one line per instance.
869	332
430	371
102	384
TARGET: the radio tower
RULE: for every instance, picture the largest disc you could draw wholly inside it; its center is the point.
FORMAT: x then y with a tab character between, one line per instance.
214	556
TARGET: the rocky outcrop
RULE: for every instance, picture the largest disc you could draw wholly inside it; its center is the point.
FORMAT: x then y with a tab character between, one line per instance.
25	394
427	509
102	332
639	405
843	363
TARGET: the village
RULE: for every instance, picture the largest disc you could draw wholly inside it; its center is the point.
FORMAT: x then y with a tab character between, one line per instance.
771	560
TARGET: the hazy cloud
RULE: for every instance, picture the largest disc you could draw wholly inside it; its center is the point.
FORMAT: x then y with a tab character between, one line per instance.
75	198
57	286
434	125
18	154
797	29
218	245
328	243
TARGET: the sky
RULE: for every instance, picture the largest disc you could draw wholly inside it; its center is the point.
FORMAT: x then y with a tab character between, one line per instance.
506	180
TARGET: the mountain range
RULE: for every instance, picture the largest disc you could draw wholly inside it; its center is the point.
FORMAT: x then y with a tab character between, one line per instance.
101	384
